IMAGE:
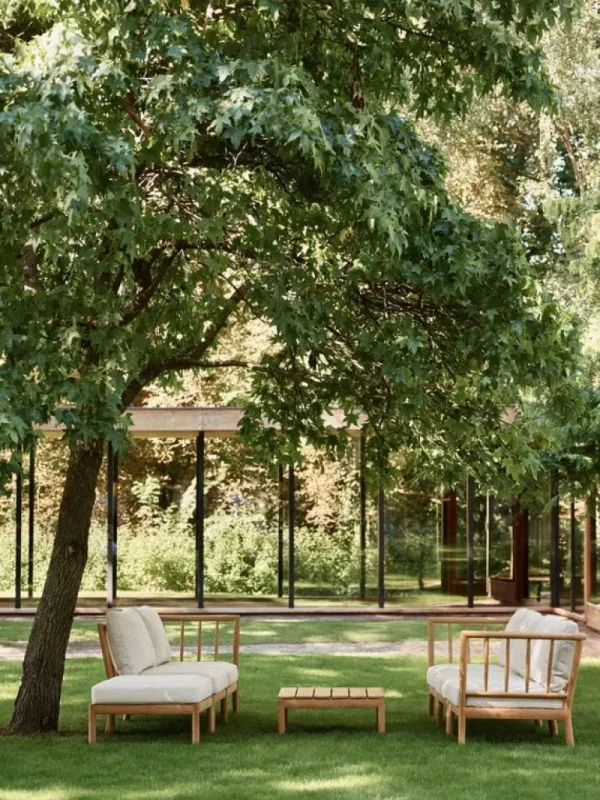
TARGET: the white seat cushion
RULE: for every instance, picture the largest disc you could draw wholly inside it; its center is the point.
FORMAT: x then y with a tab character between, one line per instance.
139	689
524	620
439	674
157	632
475	682
221	673
563	652
130	644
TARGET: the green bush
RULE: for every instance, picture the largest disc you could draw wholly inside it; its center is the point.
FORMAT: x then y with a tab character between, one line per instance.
240	555
327	559
157	553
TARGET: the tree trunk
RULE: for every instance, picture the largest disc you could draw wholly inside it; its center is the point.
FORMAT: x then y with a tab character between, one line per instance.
38	702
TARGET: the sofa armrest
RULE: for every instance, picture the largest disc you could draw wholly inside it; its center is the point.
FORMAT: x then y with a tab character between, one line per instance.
468	636
215	620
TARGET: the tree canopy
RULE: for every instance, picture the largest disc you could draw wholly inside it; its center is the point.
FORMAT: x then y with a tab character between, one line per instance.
171	166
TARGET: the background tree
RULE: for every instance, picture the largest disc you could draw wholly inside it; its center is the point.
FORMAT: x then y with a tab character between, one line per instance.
172	166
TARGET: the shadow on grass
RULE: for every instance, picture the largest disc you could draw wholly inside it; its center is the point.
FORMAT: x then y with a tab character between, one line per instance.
328	754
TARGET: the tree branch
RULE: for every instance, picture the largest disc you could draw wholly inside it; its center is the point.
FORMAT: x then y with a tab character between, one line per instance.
188	359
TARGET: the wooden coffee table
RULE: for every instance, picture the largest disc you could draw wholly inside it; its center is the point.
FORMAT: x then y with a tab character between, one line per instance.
329	697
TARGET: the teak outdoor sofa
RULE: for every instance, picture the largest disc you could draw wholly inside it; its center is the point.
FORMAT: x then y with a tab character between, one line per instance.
537	659
142	678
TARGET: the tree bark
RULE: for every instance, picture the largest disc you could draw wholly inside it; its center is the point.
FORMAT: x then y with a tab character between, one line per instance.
37	705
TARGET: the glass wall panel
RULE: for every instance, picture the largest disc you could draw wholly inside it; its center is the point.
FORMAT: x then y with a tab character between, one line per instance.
327	531
571	555
412	559
539	555
7	547
155	535
480	545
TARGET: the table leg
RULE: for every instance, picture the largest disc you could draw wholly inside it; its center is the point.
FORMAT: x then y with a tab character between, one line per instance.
281	717
381	717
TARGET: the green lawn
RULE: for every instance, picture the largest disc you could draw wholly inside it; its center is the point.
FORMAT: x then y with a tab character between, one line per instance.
329	755
264	631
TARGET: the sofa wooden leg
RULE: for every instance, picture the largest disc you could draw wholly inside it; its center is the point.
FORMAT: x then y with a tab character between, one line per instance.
196	727
553	727
224	709
538	723
126	717
462	729
440	712
569	738
110	723
236	700
449	720
431	705
91	726
212	718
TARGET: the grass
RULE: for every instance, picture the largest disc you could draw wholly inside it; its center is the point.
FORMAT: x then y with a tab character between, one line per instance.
330	755
264	631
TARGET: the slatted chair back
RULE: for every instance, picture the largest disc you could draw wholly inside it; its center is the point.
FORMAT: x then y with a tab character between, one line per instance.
451	623
205	625
216	621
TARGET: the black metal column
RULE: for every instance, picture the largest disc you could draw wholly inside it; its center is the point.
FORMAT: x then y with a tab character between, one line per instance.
525	513
200	512
280	514
470	528
291	556
554	542
18	536
31	529
573	555
381	547
111	524
363	520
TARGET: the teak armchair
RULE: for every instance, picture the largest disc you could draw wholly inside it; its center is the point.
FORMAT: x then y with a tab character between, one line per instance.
538	683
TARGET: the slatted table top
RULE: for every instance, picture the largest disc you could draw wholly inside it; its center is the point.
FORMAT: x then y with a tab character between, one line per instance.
330	693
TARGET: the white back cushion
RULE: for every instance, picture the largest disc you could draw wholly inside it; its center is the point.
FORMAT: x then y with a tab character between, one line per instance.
130	644
563	653
157	633
524	620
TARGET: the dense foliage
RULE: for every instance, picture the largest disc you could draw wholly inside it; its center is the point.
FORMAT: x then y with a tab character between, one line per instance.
171	166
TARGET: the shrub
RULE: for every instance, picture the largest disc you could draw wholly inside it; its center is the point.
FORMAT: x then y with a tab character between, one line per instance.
328	559
240	555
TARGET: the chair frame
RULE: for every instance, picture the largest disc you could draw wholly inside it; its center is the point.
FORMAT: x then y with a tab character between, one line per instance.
462	711
111	710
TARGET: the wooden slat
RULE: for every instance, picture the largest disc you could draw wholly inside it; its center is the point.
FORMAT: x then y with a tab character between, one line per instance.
520	695
527	663
199	643
322	693
375	692
339	692
506	664
430	643
288	691
217	640
486	663
304	692
550	665
358	692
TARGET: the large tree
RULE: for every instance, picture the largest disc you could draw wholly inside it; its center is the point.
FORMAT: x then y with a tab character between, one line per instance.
170	166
